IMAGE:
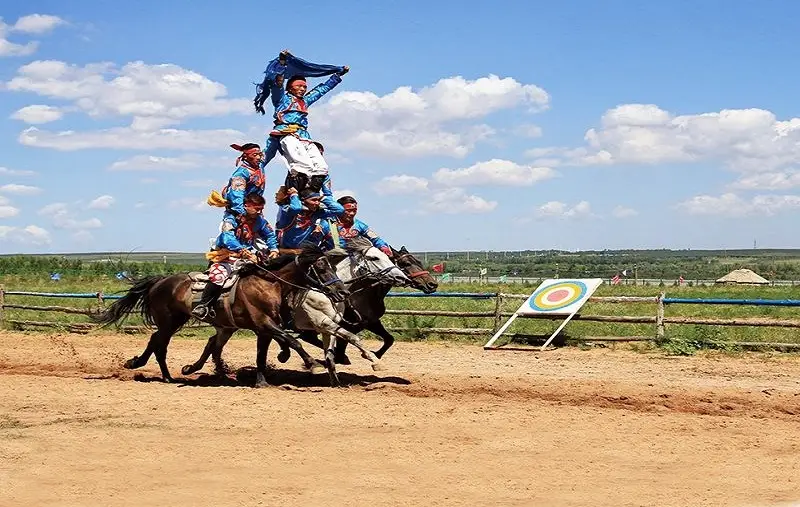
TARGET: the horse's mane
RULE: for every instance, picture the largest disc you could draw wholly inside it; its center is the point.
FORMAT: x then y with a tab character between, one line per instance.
358	244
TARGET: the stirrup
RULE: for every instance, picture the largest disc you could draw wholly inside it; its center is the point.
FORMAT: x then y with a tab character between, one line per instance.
203	312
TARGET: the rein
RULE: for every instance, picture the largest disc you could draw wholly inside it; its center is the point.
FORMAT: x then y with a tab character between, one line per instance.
324	285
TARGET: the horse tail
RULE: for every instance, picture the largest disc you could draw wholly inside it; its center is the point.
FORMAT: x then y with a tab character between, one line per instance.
137	296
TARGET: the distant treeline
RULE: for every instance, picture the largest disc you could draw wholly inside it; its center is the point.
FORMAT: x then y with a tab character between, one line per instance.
650	264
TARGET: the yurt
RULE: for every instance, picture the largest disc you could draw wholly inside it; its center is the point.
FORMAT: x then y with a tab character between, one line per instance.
742	277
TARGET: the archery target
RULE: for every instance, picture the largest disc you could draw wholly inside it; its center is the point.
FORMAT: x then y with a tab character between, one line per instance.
559	296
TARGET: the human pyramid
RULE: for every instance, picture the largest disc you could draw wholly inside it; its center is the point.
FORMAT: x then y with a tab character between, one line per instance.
307	211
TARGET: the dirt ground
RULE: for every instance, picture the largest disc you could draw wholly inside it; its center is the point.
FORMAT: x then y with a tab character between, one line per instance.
444	425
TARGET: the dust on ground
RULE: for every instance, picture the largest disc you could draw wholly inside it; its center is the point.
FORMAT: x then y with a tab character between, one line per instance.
443	425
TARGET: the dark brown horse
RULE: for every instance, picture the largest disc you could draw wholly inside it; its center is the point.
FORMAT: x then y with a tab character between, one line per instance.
166	303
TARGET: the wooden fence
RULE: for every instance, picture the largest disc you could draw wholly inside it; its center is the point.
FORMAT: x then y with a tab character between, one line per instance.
495	315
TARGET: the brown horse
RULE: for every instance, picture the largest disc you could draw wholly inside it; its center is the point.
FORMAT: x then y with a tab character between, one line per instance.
166	303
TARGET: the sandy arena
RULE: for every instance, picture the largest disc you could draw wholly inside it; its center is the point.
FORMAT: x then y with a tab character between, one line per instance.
445	425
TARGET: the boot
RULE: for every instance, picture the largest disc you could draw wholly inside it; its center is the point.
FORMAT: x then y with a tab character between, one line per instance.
315	182
205	309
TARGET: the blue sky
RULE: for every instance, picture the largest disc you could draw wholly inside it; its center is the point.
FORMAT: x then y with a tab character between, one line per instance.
483	126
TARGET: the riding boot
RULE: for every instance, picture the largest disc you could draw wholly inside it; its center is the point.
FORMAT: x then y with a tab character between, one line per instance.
298	181
315	182
205	309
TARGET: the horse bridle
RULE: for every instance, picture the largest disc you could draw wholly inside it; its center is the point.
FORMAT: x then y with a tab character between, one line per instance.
411	275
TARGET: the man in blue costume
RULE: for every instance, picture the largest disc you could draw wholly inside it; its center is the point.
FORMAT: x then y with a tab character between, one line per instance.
350	227
235	245
247	178
307	166
303	218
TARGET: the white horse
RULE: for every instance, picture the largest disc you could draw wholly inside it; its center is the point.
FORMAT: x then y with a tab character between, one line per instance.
313	311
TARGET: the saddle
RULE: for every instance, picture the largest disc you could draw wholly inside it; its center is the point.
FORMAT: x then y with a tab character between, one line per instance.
226	298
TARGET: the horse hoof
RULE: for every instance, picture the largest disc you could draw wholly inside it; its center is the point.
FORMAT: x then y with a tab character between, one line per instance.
284	355
168	380
188	369
261	384
343	360
378	367
130	364
317	369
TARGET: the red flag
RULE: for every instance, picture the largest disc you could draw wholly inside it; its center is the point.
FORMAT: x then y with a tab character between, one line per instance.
680	280
438	268
615	280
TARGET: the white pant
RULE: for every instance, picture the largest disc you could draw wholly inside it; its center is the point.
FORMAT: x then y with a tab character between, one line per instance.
303	156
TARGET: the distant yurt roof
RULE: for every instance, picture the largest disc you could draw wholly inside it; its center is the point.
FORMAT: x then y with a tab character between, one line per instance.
743	276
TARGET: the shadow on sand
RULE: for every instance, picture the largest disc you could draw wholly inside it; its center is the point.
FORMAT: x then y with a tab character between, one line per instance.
246	377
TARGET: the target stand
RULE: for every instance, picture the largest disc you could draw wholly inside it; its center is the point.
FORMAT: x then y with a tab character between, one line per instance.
556	297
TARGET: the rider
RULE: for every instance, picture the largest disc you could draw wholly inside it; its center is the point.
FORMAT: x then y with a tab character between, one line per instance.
303	218
235	245
247	178
350	227
307	166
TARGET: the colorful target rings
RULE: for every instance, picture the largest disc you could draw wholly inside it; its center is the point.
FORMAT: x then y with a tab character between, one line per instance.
557	296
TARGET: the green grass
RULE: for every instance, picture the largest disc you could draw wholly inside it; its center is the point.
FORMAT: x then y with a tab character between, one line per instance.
680	338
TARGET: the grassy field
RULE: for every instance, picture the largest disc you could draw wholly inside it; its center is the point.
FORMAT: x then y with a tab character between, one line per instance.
681	338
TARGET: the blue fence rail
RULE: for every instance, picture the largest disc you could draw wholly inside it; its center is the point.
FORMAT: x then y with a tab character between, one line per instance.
497	313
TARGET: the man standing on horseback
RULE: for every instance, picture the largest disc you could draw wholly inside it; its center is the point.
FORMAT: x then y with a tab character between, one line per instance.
350	227
307	166
303	218
235	245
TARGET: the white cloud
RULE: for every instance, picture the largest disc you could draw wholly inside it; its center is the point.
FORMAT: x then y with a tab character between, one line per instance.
623	212
35	235
528	130
768	181
148	181
732	205
37	23
156	163
127	138
400	184
557	209
15	172
153	96
82	236
30	235
191	203
456	200
434	120
745	140
37	114
494	172
140	205
102	202
64	218
198	183
13	188
31	24
8	211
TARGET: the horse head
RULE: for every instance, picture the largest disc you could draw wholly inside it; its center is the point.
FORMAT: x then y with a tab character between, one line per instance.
319	270
420	278
366	260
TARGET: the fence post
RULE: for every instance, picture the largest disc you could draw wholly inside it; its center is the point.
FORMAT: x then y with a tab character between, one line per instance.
2	303
498	306
660	317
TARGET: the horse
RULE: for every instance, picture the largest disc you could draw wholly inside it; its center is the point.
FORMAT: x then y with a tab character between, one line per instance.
166	303
313	312
366	305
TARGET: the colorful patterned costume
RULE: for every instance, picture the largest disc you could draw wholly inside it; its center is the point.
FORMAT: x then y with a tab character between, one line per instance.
296	224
